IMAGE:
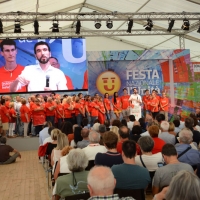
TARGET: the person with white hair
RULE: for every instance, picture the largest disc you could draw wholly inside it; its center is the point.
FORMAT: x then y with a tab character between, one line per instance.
186	153
94	147
95	127
165	135
101	184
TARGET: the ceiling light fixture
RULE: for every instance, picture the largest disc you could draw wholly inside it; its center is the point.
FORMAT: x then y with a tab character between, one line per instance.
55	28
186	25
149	25
109	24
130	25
78	27
36	27
171	24
97	24
198	31
17	27
1	26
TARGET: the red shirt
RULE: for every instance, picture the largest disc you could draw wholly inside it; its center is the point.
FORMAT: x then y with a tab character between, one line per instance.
38	116
164	101
107	103
125	101
158	145
7	77
145	100
69	83
24	110
87	103
153	102
94	111
76	107
67	112
11	113
101	106
49	112
118	104
4	117
85	82
60	109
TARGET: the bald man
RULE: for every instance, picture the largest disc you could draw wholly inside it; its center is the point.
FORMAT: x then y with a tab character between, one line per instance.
101	184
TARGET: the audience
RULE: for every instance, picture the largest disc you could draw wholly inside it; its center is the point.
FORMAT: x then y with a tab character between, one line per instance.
44	132
85	142
49	139
171	129
135	134
123	136
130	122
102	130
67	129
176	124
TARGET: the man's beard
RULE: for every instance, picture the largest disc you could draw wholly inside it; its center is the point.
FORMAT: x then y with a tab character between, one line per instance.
43	61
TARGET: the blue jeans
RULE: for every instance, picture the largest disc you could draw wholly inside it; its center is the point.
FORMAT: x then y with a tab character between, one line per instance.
89	118
93	118
79	119
60	121
50	119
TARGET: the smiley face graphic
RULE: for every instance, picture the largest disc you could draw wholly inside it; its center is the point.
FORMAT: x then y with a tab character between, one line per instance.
108	82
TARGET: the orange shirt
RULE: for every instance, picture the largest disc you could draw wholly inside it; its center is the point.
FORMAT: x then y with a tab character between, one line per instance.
164	101
125	101
118	104
4	117
107	103
7	77
85	82
11	113
94	111
101	106
87	103
153	102
145	100
67	112
49	112
76	107
69	83
60	109
24	110
38	116
40	112
70	137
7	104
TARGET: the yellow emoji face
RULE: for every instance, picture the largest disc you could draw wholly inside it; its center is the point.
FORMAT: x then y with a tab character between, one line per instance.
108	82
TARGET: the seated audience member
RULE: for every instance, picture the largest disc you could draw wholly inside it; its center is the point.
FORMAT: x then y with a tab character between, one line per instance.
77	136
138	178
147	127
160	117
195	125
62	166
116	123
85	142
94	147
142	124
5	151
164	175
158	143
176	124
75	182
115	130
189	123
49	139
102	130
85	123
67	129
96	127
135	134
124	136
111	157
101	184
107	124
189	189
186	153
147	159
130	122
44	132
124	122
164	135
171	129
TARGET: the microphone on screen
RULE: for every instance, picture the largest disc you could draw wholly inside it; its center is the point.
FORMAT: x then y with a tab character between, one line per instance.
47	80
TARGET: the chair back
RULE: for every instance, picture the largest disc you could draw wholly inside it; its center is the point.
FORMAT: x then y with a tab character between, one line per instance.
135	193
83	196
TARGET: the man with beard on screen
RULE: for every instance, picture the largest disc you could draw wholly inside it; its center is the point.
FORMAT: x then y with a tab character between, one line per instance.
40	77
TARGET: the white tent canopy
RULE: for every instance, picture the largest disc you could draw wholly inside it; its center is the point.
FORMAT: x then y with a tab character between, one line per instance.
132	42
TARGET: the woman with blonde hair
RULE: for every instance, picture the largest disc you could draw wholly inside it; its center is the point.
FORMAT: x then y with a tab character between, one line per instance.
171	128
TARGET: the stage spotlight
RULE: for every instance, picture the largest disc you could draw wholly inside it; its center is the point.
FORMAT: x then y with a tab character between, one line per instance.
109	24
198	31
171	24
78	26
97	24
186	25
17	27
149	25
1	26
36	27
55	28
130	25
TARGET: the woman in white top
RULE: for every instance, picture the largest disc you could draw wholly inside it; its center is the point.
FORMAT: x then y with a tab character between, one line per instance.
147	159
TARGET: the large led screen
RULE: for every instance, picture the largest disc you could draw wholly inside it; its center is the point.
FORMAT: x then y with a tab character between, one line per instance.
42	65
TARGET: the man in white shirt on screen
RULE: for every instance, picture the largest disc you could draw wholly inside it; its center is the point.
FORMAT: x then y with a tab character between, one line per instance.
136	101
40	77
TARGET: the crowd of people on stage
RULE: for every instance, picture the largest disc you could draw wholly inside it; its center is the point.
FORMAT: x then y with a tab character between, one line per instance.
85	136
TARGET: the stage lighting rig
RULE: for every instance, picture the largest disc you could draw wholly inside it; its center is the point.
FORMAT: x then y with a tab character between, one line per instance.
36	27
109	24
17	27
198	31
1	26
55	28
186	25
149	25
171	24
97	24
78	27
130	25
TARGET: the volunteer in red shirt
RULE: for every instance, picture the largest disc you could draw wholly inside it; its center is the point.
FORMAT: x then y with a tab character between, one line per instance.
73	113
107	106
68	107
145	100
125	104
164	105
82	102
5	117
50	110
12	121
39	117
78	111
94	110
25	116
154	103
101	114
11	70
88	108
59	113
116	102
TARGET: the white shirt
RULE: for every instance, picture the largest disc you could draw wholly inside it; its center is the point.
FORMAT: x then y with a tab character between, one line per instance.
48	140
64	165
135	97
92	149
43	135
130	125
37	78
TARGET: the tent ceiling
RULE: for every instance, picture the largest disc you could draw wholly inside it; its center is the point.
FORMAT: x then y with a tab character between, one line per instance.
157	42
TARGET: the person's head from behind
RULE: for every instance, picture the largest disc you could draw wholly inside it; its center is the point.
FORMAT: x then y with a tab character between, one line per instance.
116	122
42	52
54	133
94	137
85	122
123	122
136	130
185	136
96	127
171	127
176	123
62	141
132	118
102	129
47	124
77	134
184	186
128	149
101	181
164	126
160	118
67	128
54	62
85	133
146	144
168	152
107	123
189	122
77	160
3	140
153	131
124	132
110	140
66	150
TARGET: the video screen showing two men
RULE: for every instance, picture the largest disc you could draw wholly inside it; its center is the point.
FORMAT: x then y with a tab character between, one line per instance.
42	65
